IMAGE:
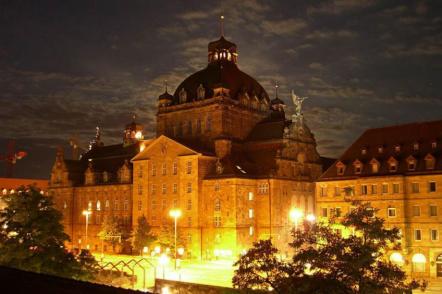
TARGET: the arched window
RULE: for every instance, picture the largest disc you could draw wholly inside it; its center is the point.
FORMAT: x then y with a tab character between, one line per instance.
217	205
419	262
201	92
183	95
5	192
98	205
397	258
429	161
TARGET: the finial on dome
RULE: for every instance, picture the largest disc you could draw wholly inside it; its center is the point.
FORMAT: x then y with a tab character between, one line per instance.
276	89
221	21
165	86
134	116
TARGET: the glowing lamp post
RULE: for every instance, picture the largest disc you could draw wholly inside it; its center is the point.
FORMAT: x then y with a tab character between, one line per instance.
295	215
87	213
175	213
163	260
311	218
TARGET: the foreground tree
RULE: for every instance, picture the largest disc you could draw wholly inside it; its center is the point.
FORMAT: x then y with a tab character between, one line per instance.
326	262
143	236
110	231
32	236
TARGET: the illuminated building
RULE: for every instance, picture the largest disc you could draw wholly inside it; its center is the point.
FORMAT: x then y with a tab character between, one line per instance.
224	154
398	170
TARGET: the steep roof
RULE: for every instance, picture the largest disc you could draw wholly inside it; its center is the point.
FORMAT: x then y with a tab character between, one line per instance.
398	142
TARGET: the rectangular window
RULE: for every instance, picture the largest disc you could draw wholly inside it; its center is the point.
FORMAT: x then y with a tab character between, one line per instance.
140	205
391	212
217	221
126	205
364	189
349	190
154	204
416	210
189	167
175	187
154	170
433	210
250	213
323	191
153	188
374	189
432	187
140	189
251	231
415	187
189	204
140	171
164	169
189	221
189	187
324	211
384	188
250	196
338	212
395	188
175	168
434	234
417	235
164	204
116	205
337	191
164	189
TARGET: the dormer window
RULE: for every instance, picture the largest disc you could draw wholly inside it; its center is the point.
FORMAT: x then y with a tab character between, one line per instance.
357	167
183	95
415	146
374	166
411	163
397	148
434	145
364	151
392	165
380	149
430	161
201	92
340	168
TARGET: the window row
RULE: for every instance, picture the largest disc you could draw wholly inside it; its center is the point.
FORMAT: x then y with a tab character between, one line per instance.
107	204
433	235
153	188
164	169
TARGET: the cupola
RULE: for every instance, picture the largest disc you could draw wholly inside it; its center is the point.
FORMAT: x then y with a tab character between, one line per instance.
165	99
133	132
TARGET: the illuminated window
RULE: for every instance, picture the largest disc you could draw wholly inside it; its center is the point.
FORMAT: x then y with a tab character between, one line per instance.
416	210
189	187
384	188
175	168
189	204
106	205
323	191
98	205
164	169
340	168
416	146
357	167
397	148
175	187
116	204
391	212
434	144
364	151
140	205
251	231
380	149
217	221
201	92
429	161
374	189
397	259
250	213
89	205
364	189
154	170
4	191
419	261
65	205
395	188
337	191
216	187
250	196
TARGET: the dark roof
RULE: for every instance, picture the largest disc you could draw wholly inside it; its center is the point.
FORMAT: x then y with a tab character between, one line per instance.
269	129
18	281
405	136
216	74
165	96
276	101
221	43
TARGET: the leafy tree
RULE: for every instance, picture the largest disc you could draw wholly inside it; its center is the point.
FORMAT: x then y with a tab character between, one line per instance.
326	262
32	236
125	235
110	231
143	236
166	238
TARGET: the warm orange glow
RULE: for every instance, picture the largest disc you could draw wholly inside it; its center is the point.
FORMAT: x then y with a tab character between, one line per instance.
295	214
175	213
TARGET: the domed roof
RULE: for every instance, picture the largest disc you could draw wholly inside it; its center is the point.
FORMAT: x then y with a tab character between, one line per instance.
220	44
222	73
276	101
165	96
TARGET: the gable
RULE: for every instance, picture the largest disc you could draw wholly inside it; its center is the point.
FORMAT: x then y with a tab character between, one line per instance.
164	146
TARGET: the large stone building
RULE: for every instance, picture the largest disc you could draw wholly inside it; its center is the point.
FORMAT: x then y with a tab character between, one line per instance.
224	154
398	170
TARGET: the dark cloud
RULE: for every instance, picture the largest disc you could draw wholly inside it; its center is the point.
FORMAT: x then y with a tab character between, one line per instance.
66	67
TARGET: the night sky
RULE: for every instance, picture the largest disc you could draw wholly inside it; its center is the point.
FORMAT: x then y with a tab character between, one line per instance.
68	66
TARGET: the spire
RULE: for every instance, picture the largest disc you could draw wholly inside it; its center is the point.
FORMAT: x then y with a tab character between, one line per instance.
134	116
165	85
276	89
221	23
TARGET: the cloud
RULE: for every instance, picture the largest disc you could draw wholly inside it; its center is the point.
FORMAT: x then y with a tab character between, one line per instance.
337	7
194	15
316	66
322	35
283	27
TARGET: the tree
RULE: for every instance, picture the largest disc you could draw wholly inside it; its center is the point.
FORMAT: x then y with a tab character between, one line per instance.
143	236
110	231
32	236
326	262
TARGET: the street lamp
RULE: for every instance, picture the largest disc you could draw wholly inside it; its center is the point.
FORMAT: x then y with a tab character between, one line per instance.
87	213
295	215
311	218
175	213
163	260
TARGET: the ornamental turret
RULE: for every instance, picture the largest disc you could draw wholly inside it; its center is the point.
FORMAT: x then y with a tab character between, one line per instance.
133	133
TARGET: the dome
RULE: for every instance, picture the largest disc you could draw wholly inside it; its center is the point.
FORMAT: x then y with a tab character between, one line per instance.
165	96
277	101
217	74
221	44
